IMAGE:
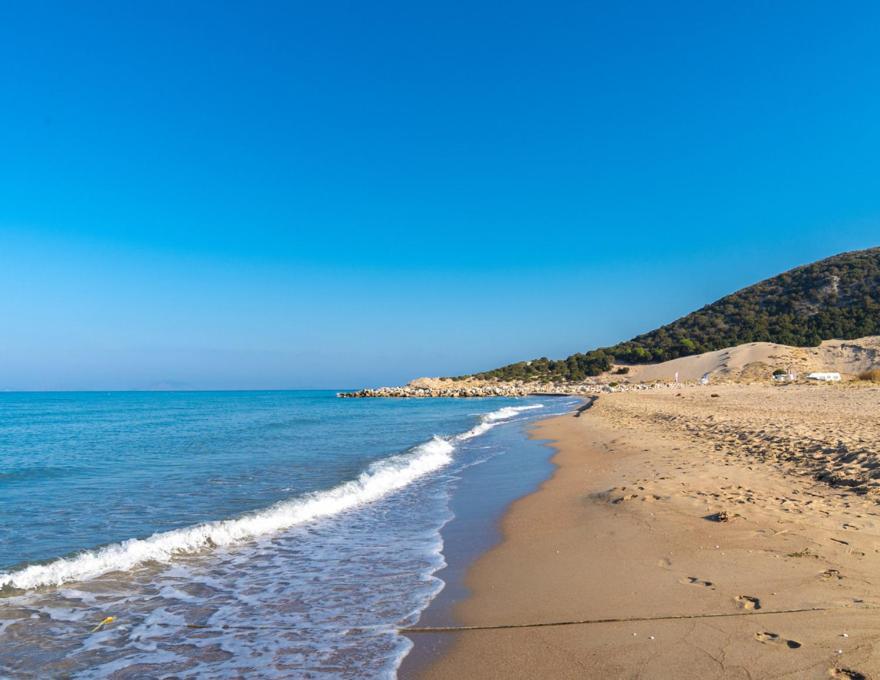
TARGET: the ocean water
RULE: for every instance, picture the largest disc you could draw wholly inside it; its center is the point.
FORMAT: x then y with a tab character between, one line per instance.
259	534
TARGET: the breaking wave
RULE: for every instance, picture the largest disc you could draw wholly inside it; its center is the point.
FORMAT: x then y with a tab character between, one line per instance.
378	480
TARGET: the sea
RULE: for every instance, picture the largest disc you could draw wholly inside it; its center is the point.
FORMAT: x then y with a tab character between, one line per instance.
278	534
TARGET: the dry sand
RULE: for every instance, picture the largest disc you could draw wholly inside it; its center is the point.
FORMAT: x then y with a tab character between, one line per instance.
625	536
756	361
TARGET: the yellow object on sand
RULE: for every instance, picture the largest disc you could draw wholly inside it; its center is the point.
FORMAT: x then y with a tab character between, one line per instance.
108	620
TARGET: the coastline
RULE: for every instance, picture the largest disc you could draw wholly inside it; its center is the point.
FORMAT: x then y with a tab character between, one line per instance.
482	495
621	538
332	571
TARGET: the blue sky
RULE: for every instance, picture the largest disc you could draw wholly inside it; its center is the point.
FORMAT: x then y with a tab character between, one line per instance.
210	195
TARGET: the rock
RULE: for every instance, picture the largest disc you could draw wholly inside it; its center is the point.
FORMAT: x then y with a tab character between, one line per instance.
474	388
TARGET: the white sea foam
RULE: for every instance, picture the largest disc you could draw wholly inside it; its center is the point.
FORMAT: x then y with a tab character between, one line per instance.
490	420
380	479
509	412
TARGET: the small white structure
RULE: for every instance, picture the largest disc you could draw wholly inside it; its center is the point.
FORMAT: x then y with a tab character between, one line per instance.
705	379
824	377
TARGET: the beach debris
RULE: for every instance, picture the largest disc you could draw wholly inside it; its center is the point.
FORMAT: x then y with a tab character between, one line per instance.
720	516
105	622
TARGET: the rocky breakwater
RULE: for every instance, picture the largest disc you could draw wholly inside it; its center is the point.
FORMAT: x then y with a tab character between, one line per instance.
406	391
445	387
471	387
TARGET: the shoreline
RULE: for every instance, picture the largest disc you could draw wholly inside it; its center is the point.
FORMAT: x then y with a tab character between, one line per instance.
329	574
621	538
478	504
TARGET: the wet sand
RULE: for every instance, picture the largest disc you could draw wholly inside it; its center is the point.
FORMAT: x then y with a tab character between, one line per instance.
686	535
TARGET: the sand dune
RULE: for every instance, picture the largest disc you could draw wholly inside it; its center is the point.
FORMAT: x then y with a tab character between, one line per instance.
756	361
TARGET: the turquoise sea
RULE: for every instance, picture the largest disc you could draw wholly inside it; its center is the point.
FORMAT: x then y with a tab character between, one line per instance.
229	534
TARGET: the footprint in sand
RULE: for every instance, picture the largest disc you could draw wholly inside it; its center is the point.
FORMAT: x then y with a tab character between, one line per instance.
846	674
748	602
694	581
775	638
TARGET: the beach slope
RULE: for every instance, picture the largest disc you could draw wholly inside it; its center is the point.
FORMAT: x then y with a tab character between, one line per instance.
725	532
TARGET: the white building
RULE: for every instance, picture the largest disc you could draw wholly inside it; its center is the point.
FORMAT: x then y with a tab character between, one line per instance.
825	377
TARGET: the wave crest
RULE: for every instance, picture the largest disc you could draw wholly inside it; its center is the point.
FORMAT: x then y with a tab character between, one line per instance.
379	479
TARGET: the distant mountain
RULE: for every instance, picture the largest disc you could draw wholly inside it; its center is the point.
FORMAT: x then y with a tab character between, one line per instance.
838	297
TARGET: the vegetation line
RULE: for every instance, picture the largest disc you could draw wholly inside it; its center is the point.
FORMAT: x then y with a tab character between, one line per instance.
836	298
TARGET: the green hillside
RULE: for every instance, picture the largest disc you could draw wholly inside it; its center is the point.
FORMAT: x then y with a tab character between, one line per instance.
838	297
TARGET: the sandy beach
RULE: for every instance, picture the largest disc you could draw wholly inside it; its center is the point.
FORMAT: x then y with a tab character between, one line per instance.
704	532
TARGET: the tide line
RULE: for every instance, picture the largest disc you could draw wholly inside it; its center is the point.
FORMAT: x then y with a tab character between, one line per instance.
624	619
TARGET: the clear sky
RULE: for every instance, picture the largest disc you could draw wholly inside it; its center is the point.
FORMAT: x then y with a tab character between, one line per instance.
328	194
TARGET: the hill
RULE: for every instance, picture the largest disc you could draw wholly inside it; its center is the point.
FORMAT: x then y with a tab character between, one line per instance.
835	298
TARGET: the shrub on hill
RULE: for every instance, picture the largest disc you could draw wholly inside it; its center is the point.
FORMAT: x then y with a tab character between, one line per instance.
838	297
